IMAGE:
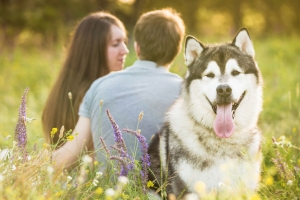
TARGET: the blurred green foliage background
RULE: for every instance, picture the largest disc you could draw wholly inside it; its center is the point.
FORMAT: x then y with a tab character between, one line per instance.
35	33
47	22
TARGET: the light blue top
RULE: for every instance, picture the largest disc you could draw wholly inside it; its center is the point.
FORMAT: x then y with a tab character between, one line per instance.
142	87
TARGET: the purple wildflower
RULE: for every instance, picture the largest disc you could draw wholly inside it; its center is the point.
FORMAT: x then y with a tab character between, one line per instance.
126	161
127	158
117	132
124	165
20	130
145	156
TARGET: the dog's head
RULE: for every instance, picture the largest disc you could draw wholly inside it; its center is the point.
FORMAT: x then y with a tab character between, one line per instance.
223	84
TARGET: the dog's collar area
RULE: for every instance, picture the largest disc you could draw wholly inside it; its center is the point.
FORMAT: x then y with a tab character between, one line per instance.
235	105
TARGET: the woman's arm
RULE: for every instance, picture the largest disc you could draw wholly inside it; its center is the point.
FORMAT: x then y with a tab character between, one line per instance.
68	155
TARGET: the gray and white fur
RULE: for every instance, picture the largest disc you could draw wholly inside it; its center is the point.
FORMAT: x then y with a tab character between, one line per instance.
210	133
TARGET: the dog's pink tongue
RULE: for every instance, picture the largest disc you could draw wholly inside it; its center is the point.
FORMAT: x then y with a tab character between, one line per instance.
224	125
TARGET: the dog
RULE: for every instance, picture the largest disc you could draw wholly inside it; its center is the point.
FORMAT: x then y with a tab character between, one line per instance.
210	134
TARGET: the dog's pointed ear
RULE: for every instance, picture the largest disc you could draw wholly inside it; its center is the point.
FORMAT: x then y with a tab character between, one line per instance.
243	41
193	49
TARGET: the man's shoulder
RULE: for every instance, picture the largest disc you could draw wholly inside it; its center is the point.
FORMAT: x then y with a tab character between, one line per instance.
108	77
175	76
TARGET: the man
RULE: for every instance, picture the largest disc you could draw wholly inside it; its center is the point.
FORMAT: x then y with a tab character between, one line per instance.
147	86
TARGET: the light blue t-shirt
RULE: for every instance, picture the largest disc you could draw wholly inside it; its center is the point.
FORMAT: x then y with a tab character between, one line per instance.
142	87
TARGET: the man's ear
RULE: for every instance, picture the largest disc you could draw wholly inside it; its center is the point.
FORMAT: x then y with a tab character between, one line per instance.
137	49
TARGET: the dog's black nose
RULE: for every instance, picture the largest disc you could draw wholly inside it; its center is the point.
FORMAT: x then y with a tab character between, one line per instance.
224	90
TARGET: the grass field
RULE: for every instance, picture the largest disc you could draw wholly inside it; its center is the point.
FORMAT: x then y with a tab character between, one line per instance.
37	68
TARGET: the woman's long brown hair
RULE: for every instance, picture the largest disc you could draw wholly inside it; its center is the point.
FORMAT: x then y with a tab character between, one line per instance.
85	62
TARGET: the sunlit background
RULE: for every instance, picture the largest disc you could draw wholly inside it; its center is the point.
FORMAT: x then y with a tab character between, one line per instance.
44	22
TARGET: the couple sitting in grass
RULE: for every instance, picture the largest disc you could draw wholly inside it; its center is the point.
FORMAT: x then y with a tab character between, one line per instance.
135	98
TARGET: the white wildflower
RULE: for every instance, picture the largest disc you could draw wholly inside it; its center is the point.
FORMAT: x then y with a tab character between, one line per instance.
4	154
98	174
282	138
69	178
290	182
29	119
50	170
8	137
28	158
87	159
123	180
95	182
13	168
110	192
288	144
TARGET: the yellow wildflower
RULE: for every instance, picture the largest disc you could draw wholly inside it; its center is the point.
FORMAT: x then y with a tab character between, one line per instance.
53	131
150	184
294	130
88	184
125	196
59	193
269	180
96	163
70	137
255	197
45	145
99	191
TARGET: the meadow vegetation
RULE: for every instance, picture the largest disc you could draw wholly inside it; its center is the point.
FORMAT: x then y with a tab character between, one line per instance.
29	173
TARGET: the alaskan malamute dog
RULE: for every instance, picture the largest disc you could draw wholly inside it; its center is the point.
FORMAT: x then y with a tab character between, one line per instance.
211	133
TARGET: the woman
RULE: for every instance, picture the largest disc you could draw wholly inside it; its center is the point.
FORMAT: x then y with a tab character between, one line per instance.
98	47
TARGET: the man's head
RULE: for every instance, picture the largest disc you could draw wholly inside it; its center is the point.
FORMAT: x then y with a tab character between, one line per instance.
159	35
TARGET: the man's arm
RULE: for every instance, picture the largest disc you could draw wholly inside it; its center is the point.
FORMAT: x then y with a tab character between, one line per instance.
68	155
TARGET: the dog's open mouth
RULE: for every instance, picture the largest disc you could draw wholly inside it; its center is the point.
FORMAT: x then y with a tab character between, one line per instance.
235	105
225	113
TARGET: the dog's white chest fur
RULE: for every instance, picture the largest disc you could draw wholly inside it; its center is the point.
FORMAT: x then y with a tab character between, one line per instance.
232	162
225	172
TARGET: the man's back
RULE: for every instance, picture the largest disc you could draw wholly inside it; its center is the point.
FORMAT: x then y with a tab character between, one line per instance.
141	87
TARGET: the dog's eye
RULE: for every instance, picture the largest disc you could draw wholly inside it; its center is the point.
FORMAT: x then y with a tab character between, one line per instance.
235	73
210	75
